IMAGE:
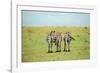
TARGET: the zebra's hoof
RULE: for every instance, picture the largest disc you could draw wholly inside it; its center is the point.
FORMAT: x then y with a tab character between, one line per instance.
57	51
68	50
65	50
51	51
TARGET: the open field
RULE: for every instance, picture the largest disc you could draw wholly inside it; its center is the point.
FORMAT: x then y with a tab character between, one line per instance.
35	47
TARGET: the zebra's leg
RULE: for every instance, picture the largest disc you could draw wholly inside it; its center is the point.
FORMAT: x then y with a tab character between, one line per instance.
57	47
60	47
69	47
51	47
64	47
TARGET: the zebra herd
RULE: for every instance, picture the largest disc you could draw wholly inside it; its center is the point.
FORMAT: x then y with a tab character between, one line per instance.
57	38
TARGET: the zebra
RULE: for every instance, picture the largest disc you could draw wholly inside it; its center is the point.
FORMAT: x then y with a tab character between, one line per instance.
49	43
55	38
58	42
67	40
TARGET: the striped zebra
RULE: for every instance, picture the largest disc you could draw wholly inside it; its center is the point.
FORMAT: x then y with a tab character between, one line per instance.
55	38
67	41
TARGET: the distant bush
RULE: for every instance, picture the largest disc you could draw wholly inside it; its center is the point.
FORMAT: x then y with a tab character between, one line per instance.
85	27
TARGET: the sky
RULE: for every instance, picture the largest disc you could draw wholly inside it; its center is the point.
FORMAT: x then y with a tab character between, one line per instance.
47	18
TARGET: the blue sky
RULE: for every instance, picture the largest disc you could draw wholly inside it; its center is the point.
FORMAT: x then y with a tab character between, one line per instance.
40	18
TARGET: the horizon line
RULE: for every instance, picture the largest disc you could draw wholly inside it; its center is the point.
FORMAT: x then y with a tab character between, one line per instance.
56	26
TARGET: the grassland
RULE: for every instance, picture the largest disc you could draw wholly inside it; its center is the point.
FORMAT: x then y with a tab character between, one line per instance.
35	47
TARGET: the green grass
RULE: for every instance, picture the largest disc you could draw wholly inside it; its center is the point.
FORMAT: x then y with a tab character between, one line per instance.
35	47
